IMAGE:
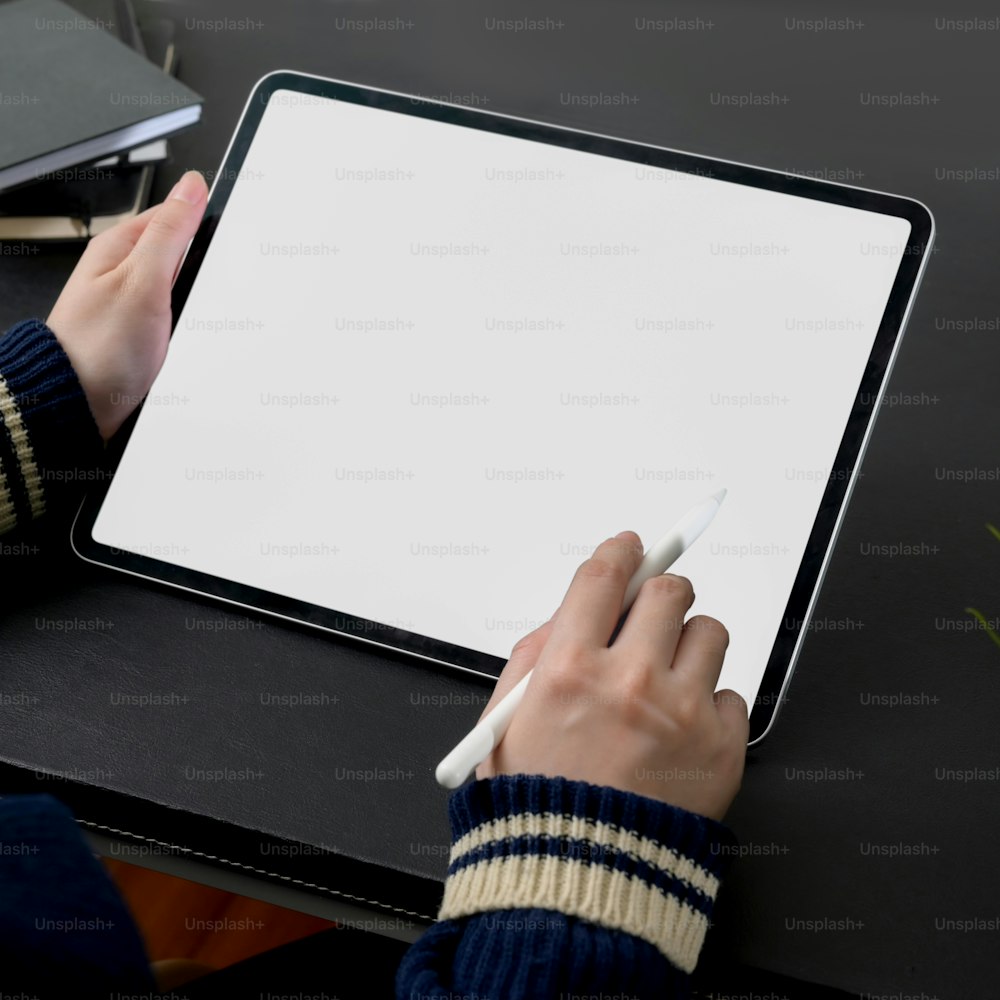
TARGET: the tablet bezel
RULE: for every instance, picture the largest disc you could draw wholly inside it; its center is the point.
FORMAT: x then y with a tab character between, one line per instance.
843	475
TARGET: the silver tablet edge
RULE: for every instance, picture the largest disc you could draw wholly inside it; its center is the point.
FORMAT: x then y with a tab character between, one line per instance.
851	483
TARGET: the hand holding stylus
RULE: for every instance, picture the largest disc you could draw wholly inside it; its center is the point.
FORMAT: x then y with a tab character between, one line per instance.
641	714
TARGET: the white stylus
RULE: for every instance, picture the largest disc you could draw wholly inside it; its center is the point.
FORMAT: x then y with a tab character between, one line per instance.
490	730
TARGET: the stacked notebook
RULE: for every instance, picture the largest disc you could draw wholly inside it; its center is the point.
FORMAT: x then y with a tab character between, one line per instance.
88	98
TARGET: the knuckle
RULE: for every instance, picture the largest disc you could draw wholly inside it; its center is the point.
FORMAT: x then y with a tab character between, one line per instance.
599	567
633	691
685	710
674	588
159	239
166	224
629	545
565	677
560	687
526	644
710	630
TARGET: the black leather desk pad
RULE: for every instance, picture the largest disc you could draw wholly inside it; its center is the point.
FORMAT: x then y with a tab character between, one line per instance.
848	778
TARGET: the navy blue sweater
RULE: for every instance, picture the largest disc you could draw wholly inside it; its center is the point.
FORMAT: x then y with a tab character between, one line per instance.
555	888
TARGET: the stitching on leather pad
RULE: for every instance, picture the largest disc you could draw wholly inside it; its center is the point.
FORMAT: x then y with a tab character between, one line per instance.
260	871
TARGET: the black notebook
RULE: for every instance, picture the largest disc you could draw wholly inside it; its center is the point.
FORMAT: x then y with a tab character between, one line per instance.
87	199
73	93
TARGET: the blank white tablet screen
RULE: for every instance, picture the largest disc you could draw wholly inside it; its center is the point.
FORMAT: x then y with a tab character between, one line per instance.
425	369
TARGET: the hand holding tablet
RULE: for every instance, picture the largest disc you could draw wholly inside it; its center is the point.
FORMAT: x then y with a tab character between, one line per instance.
113	316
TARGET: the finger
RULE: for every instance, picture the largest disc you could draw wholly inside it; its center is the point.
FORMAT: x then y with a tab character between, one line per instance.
734	713
523	658
701	652
159	249
108	249
654	626
593	603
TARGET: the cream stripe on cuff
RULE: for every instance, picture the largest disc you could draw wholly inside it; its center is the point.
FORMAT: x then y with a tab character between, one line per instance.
602	835
610	899
8	516
11	416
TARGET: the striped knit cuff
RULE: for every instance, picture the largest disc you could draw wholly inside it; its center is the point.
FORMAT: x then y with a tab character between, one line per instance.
47	432
618	860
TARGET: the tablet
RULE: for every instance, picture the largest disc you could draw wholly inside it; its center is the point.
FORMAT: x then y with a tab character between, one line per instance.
426	357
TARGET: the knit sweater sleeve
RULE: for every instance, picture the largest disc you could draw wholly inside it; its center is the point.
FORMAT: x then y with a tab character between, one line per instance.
559	888
49	440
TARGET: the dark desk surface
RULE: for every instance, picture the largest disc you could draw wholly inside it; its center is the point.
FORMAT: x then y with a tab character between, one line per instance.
868	822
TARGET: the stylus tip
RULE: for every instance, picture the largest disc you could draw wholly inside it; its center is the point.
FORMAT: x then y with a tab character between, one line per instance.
720	496
448	777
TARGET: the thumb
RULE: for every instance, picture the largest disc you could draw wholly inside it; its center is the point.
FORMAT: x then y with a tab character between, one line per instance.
158	251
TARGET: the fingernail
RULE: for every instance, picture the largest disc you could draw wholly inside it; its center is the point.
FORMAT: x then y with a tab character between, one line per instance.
621	534
189	188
